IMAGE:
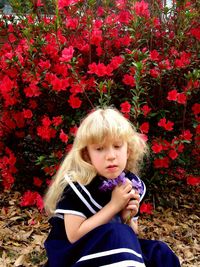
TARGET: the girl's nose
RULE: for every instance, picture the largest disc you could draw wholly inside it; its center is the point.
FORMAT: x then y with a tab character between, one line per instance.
110	154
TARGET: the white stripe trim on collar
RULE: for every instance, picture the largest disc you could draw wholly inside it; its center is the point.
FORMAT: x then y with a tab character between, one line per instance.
127	263
144	192
79	194
91	198
109	252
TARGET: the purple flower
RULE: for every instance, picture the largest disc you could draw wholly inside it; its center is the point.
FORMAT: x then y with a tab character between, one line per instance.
111	183
137	184
108	185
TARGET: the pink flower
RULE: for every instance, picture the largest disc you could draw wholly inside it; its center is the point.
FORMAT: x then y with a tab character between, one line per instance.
142	9
67	54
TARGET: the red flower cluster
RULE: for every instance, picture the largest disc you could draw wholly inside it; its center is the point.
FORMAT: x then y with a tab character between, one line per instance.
8	169
53	70
32	198
146	208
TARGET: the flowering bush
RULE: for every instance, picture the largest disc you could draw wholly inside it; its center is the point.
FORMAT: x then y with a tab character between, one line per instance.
62	60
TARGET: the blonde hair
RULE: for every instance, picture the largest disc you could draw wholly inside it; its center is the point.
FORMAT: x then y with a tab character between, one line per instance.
97	126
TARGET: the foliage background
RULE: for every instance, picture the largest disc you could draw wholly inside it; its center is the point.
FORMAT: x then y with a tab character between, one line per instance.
60	59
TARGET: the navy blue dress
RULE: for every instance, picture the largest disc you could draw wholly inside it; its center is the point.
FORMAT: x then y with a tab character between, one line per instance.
112	244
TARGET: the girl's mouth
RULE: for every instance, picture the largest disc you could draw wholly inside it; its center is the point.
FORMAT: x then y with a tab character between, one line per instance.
112	167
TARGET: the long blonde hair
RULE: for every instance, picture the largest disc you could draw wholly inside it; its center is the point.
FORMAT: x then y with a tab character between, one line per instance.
97	126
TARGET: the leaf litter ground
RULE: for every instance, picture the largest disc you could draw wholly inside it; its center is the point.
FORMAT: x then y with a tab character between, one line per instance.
176	220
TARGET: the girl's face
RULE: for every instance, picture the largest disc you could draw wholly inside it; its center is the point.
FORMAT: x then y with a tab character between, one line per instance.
108	158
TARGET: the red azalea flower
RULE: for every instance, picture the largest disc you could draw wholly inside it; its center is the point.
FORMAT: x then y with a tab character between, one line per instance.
180	148
146	109
125	107
76	88
32	198
59	84
196	108
44	64
63	136
144	128
183	61
72	23
57	120
142	9
181	98
157	148
146	208
166	125
96	37
32	90
173	154
129	80
186	135
154	55
193	180
37	181
172	95
196	33
46	121
99	51
161	162
116	62
74	101
100	69
73	130
27	113
154	72
33	104
6	85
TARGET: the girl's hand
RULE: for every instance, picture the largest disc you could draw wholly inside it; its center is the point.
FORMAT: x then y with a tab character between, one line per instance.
121	195
131	208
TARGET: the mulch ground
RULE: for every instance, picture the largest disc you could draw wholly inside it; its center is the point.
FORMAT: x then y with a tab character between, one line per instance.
176	220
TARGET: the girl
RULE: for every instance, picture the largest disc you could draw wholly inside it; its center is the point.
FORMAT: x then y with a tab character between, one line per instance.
94	199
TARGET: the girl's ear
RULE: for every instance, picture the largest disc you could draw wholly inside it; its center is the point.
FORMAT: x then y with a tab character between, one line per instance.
85	155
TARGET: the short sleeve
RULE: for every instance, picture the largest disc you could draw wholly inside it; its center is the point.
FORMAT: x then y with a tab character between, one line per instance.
70	203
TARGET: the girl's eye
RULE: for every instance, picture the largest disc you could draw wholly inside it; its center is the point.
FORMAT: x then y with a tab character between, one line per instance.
117	145
99	148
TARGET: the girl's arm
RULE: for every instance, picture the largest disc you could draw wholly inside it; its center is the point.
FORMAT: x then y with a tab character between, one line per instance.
77	226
